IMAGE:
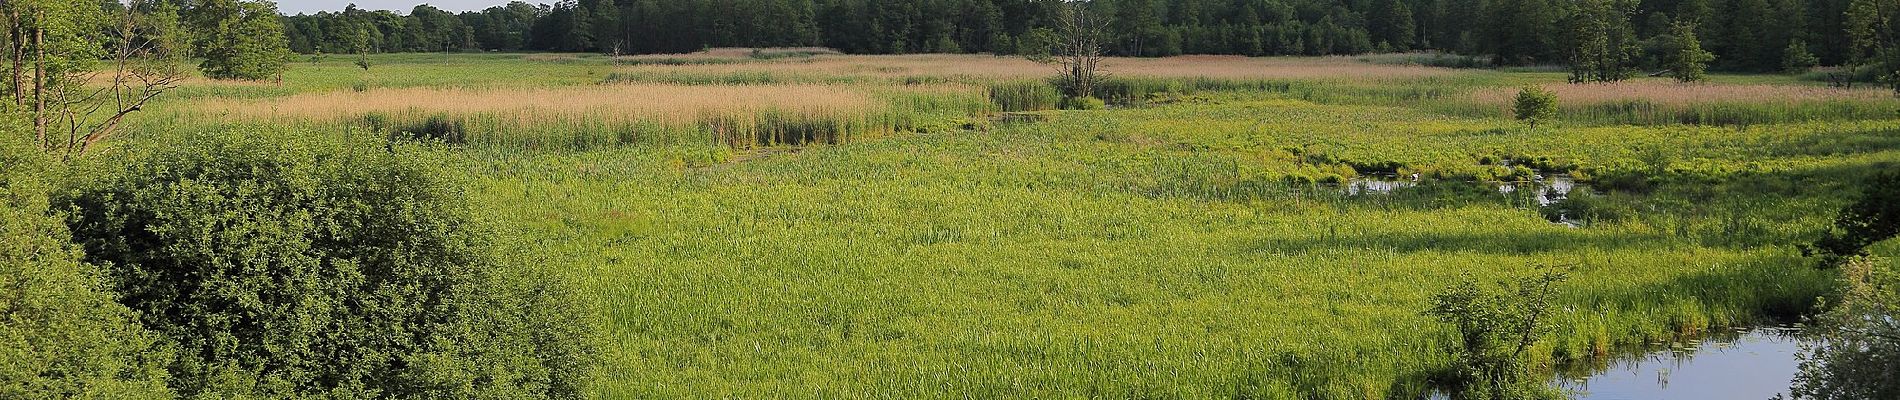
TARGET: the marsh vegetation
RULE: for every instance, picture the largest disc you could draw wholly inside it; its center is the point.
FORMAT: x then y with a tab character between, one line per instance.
802	223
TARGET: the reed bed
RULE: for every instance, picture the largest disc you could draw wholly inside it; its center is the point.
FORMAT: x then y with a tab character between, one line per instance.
1663	92
1658	102
592	116
980	67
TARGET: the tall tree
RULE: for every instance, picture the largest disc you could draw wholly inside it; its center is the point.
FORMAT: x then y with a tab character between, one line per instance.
1689	62
1392	24
242	40
1605	46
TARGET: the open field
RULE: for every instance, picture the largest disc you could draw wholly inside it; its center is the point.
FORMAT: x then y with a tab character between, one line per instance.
831	226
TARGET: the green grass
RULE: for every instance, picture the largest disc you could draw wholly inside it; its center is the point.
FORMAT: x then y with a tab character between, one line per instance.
1185	244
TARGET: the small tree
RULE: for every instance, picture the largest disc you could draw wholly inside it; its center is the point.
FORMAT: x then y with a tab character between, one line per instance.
1077	50
78	70
1534	103
1796	59
1689	63
245	41
1496	329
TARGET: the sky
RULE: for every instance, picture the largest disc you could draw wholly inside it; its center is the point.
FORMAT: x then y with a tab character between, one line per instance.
293	7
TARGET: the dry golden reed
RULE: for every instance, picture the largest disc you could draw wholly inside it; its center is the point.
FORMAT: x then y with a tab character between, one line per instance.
984	66
616	102
1664	92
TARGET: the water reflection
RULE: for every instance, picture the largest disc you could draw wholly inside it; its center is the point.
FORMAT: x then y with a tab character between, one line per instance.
1750	364
1545	190
1538	192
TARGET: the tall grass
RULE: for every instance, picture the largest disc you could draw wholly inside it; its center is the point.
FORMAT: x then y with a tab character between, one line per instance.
1025	96
590	117
1165	249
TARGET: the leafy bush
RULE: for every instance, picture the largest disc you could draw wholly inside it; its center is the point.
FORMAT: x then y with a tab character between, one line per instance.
305	266
1496	328
62	334
1083	103
1534	104
1857	358
1873	218
1796	59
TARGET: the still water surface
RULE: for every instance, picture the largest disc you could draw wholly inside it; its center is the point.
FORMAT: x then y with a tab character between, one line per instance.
1752	364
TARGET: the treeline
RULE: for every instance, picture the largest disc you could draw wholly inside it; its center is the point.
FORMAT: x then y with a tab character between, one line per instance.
1749	35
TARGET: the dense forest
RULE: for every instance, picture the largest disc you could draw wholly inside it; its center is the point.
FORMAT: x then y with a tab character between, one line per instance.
1745	35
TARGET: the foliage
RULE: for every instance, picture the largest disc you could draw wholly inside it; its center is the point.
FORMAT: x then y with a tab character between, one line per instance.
1796	59
1520	32
1860	338
1083	103
63	335
1534	103
1159	249
1689	63
241	39
1873	218
1605	43
301	265
1496	329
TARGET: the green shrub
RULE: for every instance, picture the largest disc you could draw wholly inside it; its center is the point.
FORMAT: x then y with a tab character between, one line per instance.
1083	103
1535	104
1497	326
303	265
1856	358
1873	218
62	334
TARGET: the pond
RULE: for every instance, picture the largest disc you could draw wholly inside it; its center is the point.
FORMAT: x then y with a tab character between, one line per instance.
1539	192
1747	364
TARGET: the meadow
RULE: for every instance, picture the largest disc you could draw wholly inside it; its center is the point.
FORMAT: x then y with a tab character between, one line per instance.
800	224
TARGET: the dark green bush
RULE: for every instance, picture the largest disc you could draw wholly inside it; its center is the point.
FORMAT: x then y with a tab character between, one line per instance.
62	334
1496	327
1873	218
1857	355
314	266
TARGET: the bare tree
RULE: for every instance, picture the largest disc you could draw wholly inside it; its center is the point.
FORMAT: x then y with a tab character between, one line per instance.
76	108
1078	49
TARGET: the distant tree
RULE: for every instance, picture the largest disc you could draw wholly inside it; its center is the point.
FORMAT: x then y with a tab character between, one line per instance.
1689	63
1137	22
1535	104
1520	32
1874	42
242	40
1747	37
1796	58
1393	24
1078	50
1605	44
